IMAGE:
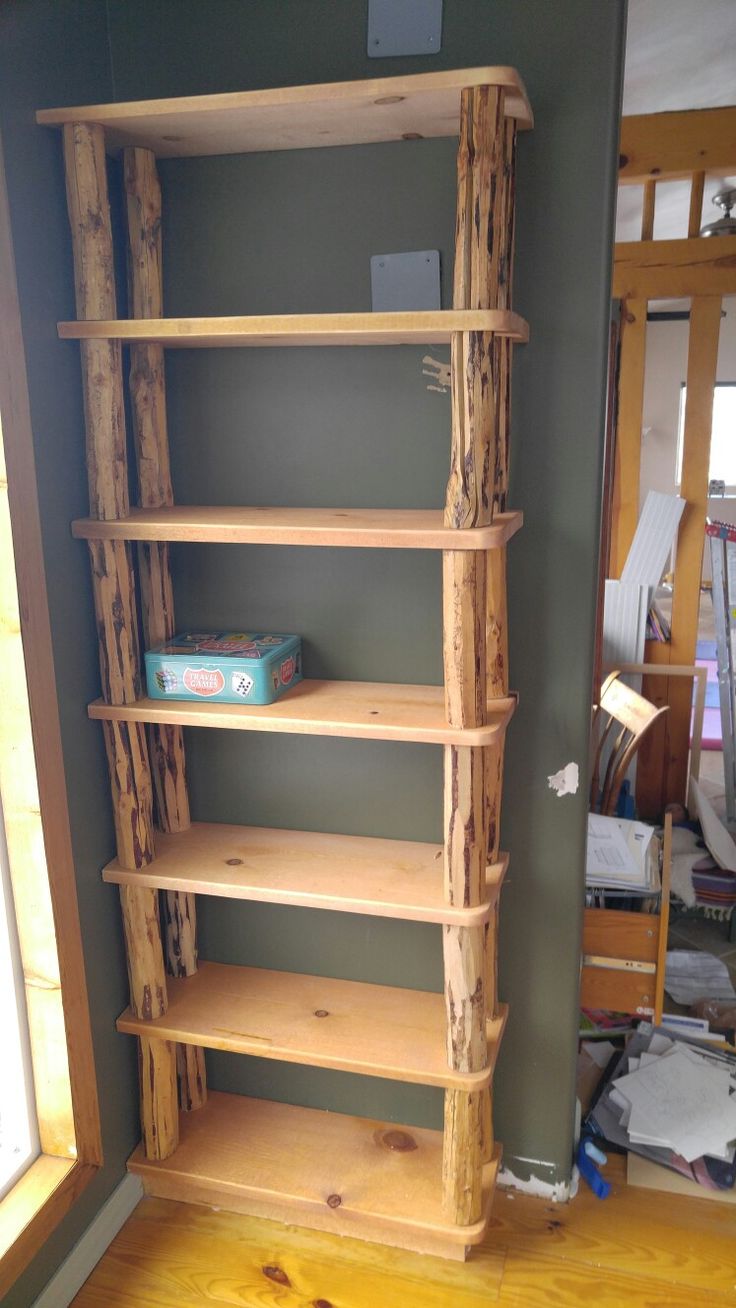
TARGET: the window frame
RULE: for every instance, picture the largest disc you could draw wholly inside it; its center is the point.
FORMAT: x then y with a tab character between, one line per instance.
17	1038
37	830
730	491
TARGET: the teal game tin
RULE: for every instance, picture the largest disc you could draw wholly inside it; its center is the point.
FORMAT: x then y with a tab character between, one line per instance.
231	667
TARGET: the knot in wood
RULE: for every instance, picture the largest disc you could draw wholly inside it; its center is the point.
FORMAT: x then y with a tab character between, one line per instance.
334	1200
321	1012
276	1274
233	862
321	1303
399	1142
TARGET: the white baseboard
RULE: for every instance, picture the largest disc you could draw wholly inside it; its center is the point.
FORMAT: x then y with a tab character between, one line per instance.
88	1250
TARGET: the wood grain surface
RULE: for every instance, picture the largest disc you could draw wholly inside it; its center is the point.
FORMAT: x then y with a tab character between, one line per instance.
362	710
418	327
417	529
298	117
319	1021
637	1249
315	869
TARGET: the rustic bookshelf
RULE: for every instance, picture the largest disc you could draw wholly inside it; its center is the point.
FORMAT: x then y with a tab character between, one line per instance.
402	1185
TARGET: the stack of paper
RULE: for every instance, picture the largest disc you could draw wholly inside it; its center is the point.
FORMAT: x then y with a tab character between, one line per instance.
652	1095
674	1096
693	974
620	856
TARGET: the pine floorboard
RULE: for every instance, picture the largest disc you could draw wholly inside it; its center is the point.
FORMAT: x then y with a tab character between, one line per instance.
637	1249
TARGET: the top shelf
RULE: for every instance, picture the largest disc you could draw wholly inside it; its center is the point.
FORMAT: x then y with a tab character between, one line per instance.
297	117
413	327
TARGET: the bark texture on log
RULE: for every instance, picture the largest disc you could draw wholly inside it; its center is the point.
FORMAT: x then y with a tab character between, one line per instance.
487	1138
478	255
159	1106
494	794
112	575
155	490
145	289
469	493
94	284
464	640
465	843
503	352
491	947
474	619
497	631
113	587
148	998
191	1075
465	991
132	793
180	932
462	1173
148	402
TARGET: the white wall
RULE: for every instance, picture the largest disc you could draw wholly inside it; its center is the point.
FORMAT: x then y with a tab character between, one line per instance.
666	369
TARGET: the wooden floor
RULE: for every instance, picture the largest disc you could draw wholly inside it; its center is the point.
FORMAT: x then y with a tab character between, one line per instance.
637	1249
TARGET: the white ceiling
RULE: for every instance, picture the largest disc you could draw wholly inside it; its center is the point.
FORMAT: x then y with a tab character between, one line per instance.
680	54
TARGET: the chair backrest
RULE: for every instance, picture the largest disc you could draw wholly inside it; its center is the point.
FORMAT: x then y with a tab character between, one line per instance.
618	706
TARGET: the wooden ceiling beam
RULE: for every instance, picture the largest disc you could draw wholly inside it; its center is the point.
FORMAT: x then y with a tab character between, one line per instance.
661	270
664	147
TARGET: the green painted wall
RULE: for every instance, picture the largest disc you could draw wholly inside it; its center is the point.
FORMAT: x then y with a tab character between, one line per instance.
294	232
57	53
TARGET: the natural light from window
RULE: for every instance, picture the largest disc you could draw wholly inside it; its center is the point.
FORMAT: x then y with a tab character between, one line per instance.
723	435
19	1143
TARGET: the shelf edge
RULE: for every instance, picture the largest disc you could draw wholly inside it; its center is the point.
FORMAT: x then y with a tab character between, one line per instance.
180	526
217	716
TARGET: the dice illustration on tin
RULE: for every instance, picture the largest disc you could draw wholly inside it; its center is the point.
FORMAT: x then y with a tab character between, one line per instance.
166	680
241	684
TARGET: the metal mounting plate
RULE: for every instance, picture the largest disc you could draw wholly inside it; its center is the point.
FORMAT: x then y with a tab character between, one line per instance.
405	281
404	27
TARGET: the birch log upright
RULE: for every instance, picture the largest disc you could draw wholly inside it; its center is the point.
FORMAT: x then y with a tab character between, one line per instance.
148	405
112	576
159	1108
148	402
497	647
469	503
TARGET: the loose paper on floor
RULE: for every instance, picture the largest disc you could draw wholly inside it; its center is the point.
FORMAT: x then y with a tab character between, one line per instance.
693	974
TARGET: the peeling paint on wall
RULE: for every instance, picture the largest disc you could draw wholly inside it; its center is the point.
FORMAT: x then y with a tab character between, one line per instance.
439	372
566	781
558	1192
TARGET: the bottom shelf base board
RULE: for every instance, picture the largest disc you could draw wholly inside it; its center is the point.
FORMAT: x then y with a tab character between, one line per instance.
348	1175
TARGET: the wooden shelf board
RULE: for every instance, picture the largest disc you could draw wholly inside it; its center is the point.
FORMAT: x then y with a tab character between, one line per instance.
425	327
297	117
363	710
311	869
290	1164
419	529
351	1026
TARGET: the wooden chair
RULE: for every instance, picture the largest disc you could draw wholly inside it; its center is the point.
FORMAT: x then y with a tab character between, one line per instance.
635	716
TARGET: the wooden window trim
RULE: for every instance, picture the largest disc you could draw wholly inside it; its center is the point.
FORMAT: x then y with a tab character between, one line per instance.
37	826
